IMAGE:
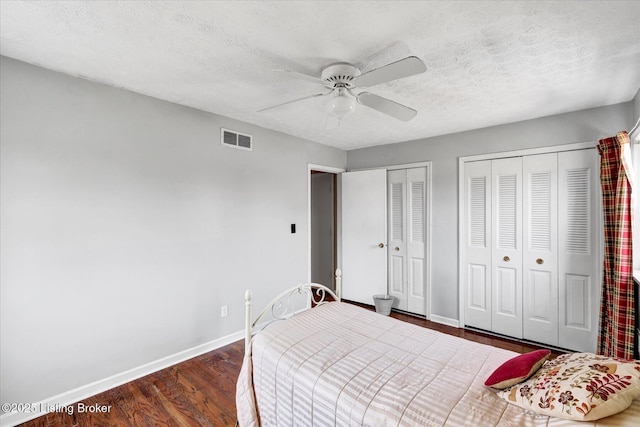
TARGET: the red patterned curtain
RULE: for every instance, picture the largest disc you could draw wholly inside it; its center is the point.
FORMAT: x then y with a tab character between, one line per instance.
617	310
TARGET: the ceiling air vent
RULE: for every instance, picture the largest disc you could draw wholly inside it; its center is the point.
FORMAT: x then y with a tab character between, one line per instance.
235	139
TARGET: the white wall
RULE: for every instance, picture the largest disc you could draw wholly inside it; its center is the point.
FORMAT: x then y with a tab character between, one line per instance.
443	151
636	106
126	226
635	150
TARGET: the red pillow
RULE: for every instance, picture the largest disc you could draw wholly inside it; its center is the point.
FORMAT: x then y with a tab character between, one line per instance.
518	369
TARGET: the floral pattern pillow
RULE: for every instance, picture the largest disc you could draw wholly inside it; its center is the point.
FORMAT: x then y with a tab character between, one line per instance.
579	386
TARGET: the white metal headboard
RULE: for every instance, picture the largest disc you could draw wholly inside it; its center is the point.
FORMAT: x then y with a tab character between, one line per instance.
282	307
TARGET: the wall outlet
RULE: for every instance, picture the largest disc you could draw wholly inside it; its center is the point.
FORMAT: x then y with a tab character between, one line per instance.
224	311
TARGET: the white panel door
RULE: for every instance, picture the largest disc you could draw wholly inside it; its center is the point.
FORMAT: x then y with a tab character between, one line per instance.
477	244
540	253
579	261
364	234
506	255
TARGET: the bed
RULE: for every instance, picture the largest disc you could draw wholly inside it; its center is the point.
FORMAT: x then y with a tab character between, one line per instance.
338	364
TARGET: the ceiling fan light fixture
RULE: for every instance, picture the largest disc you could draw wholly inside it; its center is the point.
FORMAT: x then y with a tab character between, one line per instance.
341	78
341	104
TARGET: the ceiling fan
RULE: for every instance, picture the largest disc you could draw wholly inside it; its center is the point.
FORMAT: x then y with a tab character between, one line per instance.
343	79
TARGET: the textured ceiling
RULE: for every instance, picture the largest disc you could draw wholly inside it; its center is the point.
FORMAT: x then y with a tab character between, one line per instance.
488	63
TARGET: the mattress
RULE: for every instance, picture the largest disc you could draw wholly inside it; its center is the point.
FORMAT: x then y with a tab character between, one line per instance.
342	365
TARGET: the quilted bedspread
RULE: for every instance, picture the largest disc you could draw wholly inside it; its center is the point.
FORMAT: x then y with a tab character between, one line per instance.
342	365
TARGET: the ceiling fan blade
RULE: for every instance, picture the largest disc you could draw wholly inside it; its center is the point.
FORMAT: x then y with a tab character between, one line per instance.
406	67
294	100
304	77
386	106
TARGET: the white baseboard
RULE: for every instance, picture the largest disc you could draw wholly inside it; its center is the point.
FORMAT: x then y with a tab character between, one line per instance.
62	400
445	320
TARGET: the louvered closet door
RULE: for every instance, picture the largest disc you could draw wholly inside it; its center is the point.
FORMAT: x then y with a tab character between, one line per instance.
407	236
506	254
416	238
579	262
539	259
532	261
396	191
477	240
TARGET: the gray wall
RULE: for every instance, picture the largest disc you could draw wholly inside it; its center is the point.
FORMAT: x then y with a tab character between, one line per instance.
322	229
443	151
126	226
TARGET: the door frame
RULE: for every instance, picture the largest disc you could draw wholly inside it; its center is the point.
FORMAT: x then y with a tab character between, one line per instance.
462	294
428	222
338	225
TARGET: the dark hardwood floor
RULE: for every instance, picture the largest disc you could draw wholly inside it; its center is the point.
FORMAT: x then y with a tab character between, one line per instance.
201	391
197	392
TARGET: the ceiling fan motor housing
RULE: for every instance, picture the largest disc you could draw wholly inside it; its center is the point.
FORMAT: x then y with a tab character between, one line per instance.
340	75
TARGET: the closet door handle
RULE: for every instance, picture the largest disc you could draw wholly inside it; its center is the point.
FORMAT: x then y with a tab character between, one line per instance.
506	258
540	261
397	248
381	245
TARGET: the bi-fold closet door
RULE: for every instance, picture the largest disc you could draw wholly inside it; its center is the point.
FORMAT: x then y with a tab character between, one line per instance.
407	236
531	261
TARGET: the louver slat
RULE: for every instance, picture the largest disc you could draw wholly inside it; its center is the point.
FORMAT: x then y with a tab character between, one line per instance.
540	211
477	212
507	212
578	219
417	212
397	211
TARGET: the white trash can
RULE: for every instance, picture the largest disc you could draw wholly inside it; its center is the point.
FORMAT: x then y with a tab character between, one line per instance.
383	303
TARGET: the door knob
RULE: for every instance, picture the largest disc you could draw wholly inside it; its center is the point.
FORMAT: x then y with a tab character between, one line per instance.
397	248
539	261
381	245
506	258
